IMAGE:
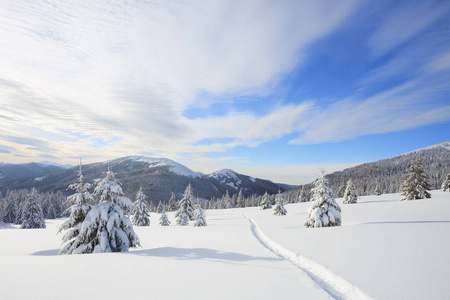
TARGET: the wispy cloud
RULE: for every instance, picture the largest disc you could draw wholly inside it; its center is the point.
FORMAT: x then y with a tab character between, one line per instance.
109	79
125	72
404	21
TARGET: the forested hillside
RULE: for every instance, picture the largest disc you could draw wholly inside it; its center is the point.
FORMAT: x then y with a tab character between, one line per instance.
387	175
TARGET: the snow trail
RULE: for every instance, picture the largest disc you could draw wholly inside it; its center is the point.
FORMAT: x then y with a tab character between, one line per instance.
335	286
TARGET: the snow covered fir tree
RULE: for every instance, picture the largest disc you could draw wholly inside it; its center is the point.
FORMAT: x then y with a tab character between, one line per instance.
182	219
303	197
350	193
185	210
164	220
416	185
32	215
200	216
265	201
172	205
140	211
446	184
279	209
324	212
81	202
106	228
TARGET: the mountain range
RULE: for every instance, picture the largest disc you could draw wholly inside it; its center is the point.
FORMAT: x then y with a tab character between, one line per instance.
158	177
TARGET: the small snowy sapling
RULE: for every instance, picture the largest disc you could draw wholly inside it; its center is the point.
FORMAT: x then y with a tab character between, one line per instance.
324	212
164	220
185	207
350	193
416	185
140	211
279	209
265	202
200	214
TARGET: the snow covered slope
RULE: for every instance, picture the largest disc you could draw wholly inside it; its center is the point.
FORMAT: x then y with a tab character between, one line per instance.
228	177
234	181
385	249
173	166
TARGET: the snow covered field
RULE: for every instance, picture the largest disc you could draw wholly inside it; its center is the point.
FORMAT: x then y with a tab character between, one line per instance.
385	249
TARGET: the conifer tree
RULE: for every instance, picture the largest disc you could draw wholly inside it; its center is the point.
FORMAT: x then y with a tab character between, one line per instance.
377	191
140	211
81	202
303	197
416	185
200	214
160	207
265	202
227	201
186	209
164	220
240	199
324	212
106	228
446	184
279	209
51	211
10	208
2	205
182	219
350	193
172	206
32	216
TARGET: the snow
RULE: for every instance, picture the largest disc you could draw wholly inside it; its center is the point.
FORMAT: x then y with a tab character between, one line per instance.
228	177
385	249
39	178
173	166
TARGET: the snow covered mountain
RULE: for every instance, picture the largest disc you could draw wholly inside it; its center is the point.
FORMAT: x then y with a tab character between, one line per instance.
387	175
13	173
172	166
159	177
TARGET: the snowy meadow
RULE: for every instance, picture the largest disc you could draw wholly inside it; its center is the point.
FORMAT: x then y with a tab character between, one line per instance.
385	249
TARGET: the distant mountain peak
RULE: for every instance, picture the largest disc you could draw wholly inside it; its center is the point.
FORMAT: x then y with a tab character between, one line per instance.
46	163
172	165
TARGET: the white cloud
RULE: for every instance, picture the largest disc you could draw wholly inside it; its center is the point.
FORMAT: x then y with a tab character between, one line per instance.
406	106
125	73
404	22
440	63
108	80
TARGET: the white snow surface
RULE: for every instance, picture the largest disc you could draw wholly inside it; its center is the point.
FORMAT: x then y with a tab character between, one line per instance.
174	167
385	249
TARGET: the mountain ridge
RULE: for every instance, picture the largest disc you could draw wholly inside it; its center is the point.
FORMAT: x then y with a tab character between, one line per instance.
159	177
386	175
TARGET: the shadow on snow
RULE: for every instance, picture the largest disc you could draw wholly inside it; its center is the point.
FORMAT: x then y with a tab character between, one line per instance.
200	253
404	222
53	252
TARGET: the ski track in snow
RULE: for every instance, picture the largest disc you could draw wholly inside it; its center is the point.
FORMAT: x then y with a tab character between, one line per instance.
335	286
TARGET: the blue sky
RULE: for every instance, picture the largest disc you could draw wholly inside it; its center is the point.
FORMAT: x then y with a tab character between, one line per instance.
272	89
